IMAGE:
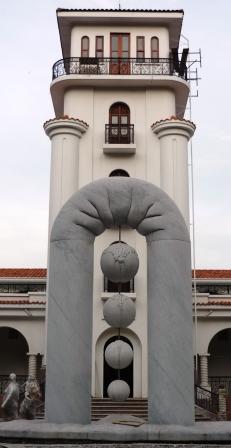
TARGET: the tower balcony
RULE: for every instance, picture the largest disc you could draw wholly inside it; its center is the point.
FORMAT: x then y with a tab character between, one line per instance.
118	73
115	66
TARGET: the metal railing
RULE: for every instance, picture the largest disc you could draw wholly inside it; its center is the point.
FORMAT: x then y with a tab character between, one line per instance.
119	133
115	66
220	381
206	399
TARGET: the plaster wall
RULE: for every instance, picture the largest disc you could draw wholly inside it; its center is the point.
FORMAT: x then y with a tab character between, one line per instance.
31	329
92	31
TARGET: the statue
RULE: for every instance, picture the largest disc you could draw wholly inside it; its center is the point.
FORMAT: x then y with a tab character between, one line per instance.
10	399
31	399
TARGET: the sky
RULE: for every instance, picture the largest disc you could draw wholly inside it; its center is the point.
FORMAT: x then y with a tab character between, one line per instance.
29	45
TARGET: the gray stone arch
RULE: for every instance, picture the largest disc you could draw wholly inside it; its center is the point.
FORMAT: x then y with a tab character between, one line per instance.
108	203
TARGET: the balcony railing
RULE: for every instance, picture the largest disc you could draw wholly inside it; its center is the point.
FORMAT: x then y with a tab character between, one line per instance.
220	381
115	66
123	133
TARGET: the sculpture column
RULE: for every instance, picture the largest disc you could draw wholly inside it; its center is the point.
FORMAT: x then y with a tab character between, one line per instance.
204	378
32	365
65	134
174	135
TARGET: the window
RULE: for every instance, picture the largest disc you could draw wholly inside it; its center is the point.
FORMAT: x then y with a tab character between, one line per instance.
99	44
85	47
154	48
119	123
140	48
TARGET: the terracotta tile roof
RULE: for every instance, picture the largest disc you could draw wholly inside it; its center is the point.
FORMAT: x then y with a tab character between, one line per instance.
66	117
23	273
213	273
42	273
120	10
22	302
174	117
215	303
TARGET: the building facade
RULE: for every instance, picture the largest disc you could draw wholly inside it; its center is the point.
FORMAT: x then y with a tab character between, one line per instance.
119	95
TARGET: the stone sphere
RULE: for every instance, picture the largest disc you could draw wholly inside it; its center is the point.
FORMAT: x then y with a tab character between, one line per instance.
118	390
118	354
119	311
119	262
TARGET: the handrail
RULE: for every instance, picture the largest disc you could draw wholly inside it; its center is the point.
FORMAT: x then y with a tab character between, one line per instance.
115	66
206	399
119	133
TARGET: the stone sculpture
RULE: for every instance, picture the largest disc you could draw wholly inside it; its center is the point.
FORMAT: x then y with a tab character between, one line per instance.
119	311
10	399
136	204
31	399
119	262
118	354
118	390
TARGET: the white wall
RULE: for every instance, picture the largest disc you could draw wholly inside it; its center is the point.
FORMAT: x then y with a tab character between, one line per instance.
93	31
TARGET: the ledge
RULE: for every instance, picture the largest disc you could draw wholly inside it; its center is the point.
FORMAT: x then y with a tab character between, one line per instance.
119	149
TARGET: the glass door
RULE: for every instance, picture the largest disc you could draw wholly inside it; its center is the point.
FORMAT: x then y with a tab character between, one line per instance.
120	53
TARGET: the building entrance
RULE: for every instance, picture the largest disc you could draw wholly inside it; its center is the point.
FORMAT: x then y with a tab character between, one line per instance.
110	374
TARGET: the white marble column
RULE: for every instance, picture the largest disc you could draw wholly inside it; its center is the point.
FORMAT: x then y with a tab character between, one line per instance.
65	134
174	135
32	365
204	378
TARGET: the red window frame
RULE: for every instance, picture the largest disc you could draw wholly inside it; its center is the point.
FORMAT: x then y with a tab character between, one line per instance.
140	47
154	47
85	48
120	44
99	46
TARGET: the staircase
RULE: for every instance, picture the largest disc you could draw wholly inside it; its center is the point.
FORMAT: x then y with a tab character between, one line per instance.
138	407
101	407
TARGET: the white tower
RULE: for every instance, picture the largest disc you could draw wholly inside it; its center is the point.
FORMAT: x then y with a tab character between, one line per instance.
119	96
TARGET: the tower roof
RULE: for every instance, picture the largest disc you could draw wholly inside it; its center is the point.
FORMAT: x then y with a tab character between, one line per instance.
68	18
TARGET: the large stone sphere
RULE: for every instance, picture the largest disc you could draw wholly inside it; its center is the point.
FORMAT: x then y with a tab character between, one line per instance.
118	390
119	262
119	311
118	354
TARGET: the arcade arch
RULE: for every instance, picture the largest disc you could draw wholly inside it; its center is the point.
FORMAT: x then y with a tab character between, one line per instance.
102	342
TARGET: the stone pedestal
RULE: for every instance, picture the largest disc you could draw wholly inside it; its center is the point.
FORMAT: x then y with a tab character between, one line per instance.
204	379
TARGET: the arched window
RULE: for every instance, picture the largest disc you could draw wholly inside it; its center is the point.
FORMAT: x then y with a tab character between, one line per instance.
119	172
154	48
85	47
119	123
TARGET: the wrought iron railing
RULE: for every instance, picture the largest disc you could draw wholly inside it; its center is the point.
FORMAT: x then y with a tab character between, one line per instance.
206	399
119	133
220	381
115	66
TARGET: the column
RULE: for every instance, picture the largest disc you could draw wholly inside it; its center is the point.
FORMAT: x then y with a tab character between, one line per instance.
204	379
174	135
65	134
32	365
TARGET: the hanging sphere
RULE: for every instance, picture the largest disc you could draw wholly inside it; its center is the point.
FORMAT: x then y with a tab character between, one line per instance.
119	262
119	311
118	390
118	354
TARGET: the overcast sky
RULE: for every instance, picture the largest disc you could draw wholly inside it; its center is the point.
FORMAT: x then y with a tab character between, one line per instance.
29	45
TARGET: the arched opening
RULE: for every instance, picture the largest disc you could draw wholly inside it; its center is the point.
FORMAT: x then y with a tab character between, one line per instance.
219	363
110	374
119	172
13	355
119	123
